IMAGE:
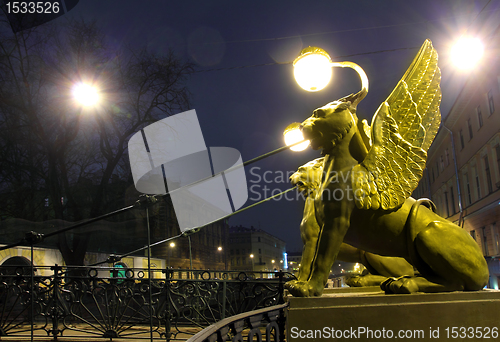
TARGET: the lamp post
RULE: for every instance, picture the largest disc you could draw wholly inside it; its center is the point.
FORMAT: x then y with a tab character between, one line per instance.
172	245
219	249
251	258
313	69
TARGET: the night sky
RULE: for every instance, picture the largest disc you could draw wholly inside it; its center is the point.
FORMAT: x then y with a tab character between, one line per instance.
245	103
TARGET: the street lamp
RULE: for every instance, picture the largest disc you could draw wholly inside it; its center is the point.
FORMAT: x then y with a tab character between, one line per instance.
467	52
85	94
251	257
293	135
313	69
172	245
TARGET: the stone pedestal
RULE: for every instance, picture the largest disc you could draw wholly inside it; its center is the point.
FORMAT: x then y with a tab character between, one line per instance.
367	314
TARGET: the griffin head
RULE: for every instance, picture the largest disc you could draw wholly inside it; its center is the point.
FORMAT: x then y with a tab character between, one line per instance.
308	176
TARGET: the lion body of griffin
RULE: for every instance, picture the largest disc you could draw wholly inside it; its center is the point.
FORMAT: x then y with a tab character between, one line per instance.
364	199
308	177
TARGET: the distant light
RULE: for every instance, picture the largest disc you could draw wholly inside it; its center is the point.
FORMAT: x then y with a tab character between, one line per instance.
219	248
172	244
281	261
467	52
251	255
272	261
85	94
312	69
292	135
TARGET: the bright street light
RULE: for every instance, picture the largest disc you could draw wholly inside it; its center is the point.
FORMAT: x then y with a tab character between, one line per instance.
85	94
219	248
292	135
313	69
467	52
251	255
172	244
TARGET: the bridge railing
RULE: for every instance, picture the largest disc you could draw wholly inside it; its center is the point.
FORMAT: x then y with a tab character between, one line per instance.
83	302
249	324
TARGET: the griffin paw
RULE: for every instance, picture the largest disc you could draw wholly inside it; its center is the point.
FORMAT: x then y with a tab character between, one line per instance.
302	289
404	284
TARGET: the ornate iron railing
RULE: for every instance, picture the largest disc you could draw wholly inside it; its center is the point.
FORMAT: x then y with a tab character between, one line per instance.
93	302
248	324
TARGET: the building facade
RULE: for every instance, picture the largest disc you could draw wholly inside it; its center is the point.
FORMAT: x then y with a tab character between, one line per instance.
253	249
463	164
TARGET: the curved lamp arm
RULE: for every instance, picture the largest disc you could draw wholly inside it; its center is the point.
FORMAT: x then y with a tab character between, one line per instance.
359	70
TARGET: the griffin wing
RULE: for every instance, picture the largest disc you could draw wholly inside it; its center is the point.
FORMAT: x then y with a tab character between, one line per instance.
402	130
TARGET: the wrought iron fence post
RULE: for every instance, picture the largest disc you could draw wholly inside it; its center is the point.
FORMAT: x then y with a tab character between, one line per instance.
55	309
224	290
281	300
281	288
32	238
168	276
32	293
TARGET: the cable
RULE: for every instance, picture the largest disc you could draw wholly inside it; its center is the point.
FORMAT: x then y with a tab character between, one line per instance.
332	32
349	30
190	231
287	63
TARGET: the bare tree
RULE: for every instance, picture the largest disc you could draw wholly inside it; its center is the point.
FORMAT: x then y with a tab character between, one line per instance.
50	145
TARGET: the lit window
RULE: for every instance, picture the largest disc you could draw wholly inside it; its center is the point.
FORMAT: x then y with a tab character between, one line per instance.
479	116
452	197
485	241
469	125
467	187
497	150
478	186
446	204
491	103
488	174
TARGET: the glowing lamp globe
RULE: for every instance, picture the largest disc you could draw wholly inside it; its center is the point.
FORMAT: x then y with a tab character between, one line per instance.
292	135
85	94
312	69
467	52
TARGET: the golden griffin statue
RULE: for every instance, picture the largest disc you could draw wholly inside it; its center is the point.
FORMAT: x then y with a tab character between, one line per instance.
361	202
